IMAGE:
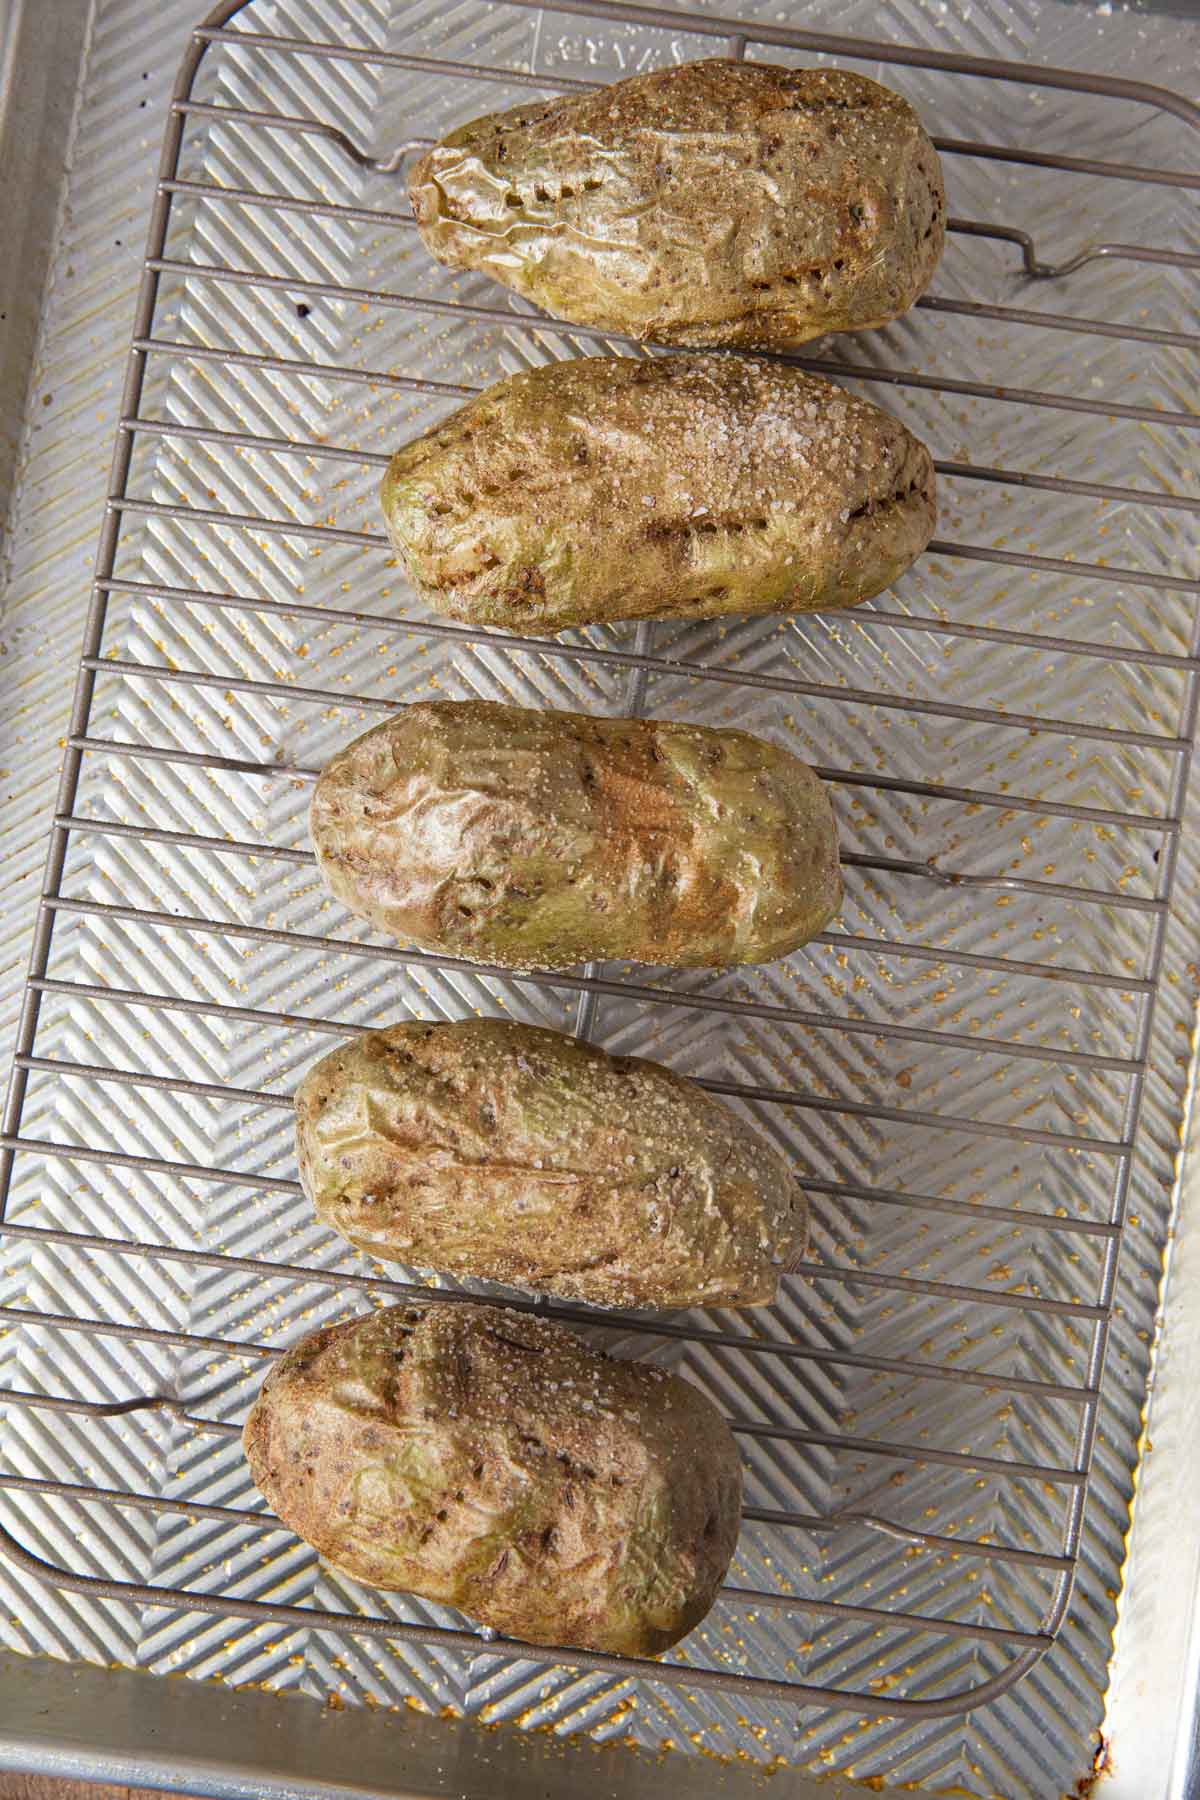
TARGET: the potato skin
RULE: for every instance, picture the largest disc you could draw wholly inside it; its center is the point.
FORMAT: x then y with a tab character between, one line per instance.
544	839
490	1461
713	203
514	1154
606	488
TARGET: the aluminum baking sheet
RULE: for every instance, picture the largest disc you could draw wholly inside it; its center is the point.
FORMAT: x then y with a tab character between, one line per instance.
1003	1748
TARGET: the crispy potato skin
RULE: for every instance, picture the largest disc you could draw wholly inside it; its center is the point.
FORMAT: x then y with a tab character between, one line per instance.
544	839
608	488
713	203
491	1461
519	1155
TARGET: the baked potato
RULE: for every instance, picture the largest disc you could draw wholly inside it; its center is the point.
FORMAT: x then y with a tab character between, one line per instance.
490	1461
712	203
543	839
607	488
519	1155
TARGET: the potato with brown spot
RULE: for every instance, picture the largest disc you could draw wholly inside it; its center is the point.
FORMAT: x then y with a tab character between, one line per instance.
607	488
717	202
518	1155
544	839
490	1461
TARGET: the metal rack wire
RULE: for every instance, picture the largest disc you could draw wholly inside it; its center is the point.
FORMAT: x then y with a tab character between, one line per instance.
1039	1494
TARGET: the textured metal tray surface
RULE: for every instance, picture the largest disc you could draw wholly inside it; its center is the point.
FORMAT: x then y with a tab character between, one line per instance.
953	1069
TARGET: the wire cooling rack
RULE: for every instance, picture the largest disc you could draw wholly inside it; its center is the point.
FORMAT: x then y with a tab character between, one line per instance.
956	1069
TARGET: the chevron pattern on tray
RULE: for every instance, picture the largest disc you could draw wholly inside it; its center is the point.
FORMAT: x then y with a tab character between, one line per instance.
950	1067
